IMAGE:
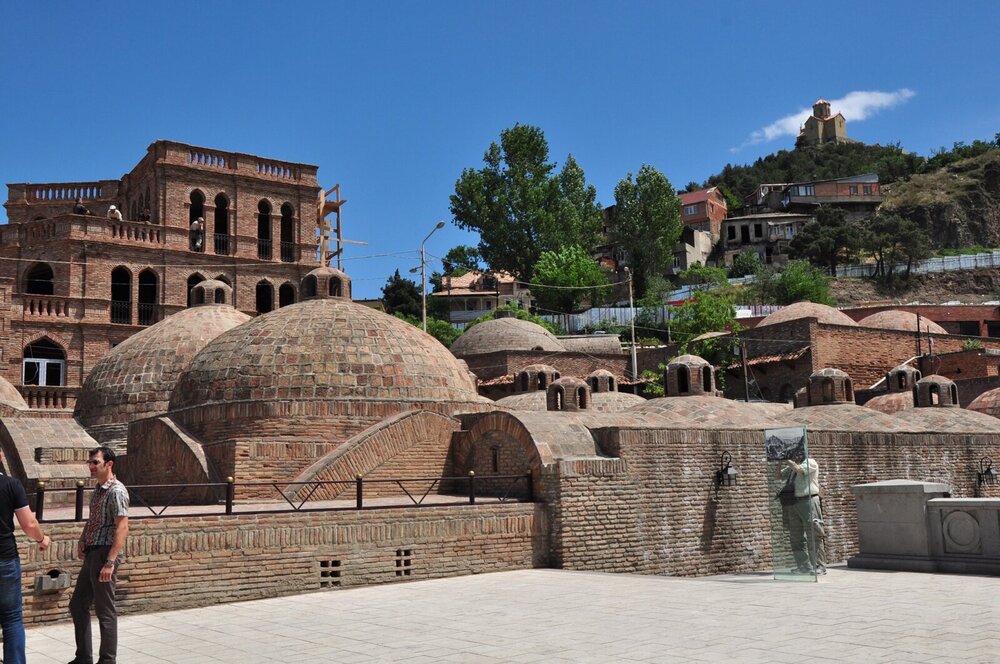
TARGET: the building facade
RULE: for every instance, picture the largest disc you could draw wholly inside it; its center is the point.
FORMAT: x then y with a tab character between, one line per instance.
85	265
822	127
704	210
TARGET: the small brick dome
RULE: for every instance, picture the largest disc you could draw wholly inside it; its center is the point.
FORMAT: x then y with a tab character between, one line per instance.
325	282
937	391
901	379
829	386
535	377
601	402
568	394
135	379
906	321
798	310
505	334
323	350
602	380
988	402
10	397
689	375
211	291
893	402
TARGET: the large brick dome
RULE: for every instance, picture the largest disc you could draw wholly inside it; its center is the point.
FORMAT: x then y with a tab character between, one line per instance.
798	310
988	402
136	378
505	334
324	350
905	321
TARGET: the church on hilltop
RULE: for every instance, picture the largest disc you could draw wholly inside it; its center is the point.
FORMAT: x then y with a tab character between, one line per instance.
821	127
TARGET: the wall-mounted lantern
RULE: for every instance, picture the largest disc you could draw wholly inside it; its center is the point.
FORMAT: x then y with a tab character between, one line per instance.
726	474
987	474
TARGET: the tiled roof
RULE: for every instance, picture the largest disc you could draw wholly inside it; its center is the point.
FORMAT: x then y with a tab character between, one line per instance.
700	196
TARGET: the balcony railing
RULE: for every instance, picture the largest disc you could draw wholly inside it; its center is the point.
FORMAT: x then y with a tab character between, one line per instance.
136	231
44	397
264	249
223	243
288	252
149	313
46	305
121	312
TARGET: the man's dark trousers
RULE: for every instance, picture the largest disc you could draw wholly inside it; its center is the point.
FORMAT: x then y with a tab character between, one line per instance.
90	591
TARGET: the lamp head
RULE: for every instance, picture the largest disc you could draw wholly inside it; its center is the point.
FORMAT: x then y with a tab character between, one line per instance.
440	224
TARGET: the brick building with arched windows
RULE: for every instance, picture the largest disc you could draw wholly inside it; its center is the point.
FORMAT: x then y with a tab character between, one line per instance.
84	265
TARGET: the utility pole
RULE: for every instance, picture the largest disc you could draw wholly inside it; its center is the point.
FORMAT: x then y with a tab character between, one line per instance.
631	308
423	275
746	382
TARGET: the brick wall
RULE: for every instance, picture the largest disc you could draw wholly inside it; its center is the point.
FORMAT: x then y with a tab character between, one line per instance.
199	561
655	510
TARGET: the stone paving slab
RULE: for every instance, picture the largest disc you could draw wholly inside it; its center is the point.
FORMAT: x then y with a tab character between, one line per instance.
558	616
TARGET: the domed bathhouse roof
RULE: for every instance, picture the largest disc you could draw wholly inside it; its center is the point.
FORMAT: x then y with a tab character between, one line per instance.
905	321
505	334
569	394
136	378
899	385
936	391
829	386
798	310
988	403
689	375
10	399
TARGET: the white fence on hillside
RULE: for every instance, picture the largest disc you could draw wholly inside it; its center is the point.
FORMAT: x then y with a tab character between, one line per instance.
939	264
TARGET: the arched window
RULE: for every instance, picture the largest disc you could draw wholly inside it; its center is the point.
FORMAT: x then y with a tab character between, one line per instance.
265	297
335	287
581	397
224	279
198	296
935	394
145	213
44	364
560	398
287	233
611	384
309	286
148	297
541	381
902	380
286	295
39	280
683	380
706	379
121	296
264	230
593	384
828	390
954	395
197	206
221	226
220	296
849	390
193	281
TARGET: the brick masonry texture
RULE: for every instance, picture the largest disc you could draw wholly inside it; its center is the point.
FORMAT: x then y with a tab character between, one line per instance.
203	560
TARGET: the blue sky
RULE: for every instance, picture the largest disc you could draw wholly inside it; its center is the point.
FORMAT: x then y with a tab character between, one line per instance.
393	99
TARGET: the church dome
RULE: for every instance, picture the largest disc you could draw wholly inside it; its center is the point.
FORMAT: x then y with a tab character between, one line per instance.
798	310
904	321
136	377
505	334
322	350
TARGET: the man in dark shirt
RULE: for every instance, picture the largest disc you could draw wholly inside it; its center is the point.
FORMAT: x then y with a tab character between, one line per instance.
14	503
101	546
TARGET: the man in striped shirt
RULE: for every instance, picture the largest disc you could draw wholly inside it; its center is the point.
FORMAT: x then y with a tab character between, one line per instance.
101	547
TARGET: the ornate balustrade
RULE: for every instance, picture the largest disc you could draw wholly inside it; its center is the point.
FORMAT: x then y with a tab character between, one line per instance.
48	305
44	397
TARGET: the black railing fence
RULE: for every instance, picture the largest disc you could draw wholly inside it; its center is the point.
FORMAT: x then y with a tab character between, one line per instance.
158	498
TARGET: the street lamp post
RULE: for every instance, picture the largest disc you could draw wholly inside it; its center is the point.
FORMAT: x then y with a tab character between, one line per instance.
631	308
423	275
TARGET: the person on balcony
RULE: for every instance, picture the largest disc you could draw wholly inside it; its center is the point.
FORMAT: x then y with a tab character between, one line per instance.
145	215
114	214
80	208
197	234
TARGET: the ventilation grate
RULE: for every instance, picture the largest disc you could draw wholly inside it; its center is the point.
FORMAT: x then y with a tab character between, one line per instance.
404	562
329	573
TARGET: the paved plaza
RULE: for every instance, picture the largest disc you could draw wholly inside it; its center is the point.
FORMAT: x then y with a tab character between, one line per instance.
560	616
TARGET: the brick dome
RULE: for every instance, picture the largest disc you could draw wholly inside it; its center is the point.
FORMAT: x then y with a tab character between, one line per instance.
135	379
601	402
798	310
988	402
892	402
905	321
505	334
9	396
323	350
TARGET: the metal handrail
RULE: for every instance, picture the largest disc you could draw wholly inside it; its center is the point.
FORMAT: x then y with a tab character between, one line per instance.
294	502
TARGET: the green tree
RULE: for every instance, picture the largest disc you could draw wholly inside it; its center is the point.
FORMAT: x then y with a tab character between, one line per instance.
461	260
401	295
519	208
646	223
892	240
574	273
700	275
797	281
706	311
441	330
744	263
828	241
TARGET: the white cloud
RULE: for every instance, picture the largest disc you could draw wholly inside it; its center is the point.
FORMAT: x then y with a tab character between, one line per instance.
856	106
